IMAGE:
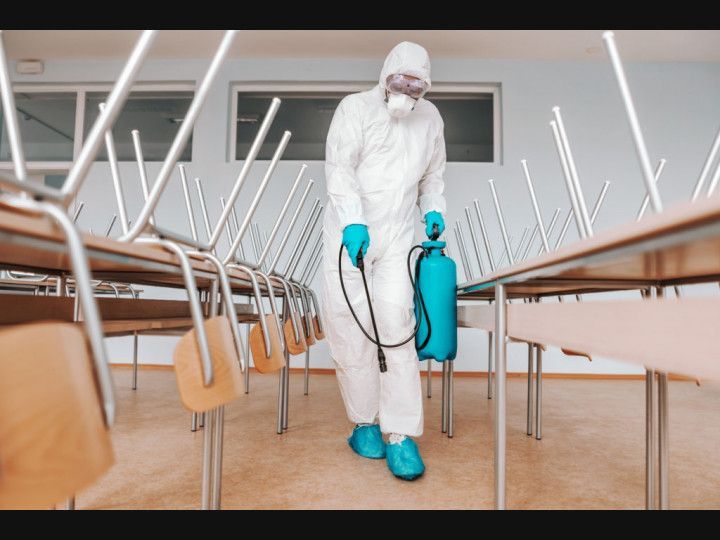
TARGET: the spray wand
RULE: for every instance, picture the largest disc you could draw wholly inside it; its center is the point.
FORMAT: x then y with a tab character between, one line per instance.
420	302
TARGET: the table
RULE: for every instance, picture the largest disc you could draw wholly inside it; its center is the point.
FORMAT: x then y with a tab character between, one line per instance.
680	246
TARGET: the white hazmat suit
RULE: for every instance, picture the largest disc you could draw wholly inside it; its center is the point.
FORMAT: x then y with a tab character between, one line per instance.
377	168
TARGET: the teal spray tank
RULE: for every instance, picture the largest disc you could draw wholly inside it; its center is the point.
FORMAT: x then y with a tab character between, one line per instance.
435	283
436	280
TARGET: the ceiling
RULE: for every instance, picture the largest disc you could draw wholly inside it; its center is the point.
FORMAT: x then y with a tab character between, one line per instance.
649	45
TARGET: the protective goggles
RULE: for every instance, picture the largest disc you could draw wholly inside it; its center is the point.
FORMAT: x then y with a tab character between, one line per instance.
401	84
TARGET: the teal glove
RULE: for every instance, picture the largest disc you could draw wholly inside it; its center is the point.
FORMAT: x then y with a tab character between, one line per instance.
434	218
354	238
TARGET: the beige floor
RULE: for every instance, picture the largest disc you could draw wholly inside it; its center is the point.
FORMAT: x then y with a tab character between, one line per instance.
591	455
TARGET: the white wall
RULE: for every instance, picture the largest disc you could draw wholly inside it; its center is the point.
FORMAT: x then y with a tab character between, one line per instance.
677	104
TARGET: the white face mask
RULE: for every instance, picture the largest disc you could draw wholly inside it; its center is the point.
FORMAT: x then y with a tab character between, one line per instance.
400	105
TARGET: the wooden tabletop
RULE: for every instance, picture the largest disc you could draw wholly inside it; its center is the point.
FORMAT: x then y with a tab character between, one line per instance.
681	245
31	242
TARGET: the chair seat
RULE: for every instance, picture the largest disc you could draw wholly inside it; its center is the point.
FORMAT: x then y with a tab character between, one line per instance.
53	439
262	362
295	347
227	380
319	335
570	352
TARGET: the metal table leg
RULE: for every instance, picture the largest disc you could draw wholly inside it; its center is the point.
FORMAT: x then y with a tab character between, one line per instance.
538	392
451	397
443	398
207	463
217	457
490	365
429	377
500	393
663	433
663	442
135	360
281	400
307	371
286	372
286	389
247	356
530	390
649	439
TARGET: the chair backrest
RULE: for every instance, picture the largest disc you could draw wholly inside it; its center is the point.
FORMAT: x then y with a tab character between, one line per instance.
276	360
227	380
310	336
53	440
295	347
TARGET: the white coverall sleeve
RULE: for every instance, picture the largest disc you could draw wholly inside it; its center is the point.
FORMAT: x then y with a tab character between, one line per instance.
342	153
431	185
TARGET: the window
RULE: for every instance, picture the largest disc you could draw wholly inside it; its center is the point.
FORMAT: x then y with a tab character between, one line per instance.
47	126
471	115
157	115
469	125
54	119
307	116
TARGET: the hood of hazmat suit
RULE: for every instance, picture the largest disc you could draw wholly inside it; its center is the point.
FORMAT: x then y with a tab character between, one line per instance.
378	168
407	59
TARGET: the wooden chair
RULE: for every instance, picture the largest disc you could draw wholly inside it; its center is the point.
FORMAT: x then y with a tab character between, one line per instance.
319	335
264	363
200	397
309	334
301	345
53	439
227	379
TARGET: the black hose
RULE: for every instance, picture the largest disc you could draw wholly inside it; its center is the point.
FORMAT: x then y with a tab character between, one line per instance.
420	302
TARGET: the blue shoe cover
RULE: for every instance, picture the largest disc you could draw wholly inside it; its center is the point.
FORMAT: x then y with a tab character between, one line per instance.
367	441
404	459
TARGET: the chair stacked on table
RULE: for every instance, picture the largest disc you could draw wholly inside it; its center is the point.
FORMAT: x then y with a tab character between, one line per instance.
65	291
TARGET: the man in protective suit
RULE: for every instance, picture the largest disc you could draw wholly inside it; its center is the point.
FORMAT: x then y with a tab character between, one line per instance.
385	153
